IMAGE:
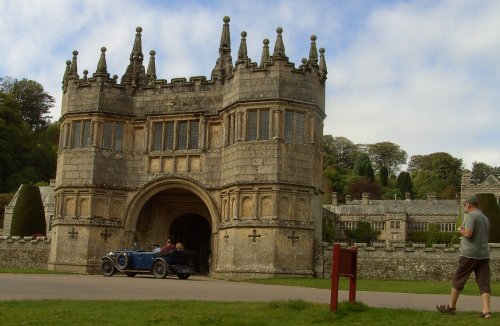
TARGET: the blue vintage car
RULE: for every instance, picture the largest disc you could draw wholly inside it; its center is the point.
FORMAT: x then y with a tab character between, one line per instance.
133	262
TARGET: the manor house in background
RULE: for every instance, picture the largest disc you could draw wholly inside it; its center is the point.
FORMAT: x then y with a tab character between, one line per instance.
395	218
230	166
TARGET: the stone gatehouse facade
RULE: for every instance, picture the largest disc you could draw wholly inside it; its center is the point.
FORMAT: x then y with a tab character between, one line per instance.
230	166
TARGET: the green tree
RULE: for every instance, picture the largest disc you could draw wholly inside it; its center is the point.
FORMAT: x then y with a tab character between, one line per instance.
386	155
339	152
363	233
28	217
363	167
35	103
480	171
436	172
384	176
404	183
356	186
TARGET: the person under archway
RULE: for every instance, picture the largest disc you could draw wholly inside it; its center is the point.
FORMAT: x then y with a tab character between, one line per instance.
168	247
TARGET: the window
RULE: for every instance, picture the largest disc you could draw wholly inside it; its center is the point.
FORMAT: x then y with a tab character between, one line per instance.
395	224
418	226
112	136
81	135
164	134
377	226
193	134
447	227
252	125
168	142
294	127
182	135
347	225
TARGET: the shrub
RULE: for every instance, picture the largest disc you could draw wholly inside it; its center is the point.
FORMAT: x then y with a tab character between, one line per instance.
28	217
489	206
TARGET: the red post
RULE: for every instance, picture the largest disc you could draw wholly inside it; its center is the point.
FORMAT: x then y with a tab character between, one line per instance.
344	263
334	293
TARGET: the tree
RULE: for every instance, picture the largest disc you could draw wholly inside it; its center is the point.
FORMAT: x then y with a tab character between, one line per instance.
35	103
339	152
388	155
363	233
28	217
358	185
404	183
480	171
436	172
363	167
384	176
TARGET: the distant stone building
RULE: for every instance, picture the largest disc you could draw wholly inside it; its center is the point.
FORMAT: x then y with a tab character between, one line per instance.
491	185
394	218
229	166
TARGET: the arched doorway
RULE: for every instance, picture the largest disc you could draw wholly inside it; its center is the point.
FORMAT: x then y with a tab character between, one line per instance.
193	231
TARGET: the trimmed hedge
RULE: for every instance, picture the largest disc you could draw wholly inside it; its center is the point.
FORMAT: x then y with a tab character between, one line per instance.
489	206
28	217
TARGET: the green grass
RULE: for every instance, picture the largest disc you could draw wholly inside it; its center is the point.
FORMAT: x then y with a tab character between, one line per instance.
29	271
417	287
295	312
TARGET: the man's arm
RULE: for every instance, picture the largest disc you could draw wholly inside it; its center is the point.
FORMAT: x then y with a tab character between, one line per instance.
466	233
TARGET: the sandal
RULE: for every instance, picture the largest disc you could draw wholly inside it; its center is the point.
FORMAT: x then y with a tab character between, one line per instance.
446	309
484	315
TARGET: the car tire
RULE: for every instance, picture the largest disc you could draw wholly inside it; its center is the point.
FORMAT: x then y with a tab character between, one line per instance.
107	268
183	276
122	260
130	274
160	269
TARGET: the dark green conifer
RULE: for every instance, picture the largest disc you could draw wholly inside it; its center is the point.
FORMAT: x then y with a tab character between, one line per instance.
28	217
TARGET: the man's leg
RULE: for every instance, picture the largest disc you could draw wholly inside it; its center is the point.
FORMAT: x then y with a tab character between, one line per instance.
454	297
486	303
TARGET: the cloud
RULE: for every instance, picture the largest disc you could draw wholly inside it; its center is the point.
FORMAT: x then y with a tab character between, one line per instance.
423	74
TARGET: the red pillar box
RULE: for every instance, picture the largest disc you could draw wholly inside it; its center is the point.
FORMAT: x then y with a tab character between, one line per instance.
344	263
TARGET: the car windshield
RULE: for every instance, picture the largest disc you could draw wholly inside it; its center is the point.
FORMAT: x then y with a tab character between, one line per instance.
143	246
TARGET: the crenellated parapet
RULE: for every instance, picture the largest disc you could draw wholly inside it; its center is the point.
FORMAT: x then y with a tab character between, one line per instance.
139	92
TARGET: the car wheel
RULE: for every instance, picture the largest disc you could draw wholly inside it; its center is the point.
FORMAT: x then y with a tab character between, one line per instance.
160	269
129	274
122	260
183	276
107	268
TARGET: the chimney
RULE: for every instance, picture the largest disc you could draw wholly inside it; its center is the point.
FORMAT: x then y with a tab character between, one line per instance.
347	199
365	200
335	200
431	198
408	197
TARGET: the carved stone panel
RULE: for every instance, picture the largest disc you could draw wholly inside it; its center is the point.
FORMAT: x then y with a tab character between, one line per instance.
247	207
266	206
70	207
84	207
284	208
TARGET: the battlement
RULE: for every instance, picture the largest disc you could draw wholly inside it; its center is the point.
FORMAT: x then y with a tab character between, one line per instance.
139	88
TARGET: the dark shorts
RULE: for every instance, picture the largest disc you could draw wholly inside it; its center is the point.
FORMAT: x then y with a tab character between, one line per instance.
481	269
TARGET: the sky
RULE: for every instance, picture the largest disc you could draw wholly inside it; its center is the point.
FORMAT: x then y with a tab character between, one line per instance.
423	74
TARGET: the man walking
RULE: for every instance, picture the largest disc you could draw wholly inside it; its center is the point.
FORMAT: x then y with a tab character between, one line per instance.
474	257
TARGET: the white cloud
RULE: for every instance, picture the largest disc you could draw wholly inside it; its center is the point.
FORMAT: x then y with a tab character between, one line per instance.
422	74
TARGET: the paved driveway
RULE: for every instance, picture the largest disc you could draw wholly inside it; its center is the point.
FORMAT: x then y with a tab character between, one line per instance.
97	287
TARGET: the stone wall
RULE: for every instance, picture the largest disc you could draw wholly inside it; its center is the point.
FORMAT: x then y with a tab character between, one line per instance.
409	263
24	252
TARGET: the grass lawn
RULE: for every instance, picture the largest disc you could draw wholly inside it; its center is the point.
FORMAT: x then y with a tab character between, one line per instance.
296	312
417	287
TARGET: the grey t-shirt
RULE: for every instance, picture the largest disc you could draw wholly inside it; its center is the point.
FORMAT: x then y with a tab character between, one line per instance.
476	246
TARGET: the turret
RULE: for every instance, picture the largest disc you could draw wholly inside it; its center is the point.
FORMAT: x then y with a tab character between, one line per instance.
135	75
224	65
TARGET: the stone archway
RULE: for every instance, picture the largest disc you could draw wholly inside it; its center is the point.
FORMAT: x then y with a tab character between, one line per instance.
193	231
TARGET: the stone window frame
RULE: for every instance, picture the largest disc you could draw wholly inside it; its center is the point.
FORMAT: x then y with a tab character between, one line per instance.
113	138
294	125
188	139
418	226
347	225
377	226
447	227
259	127
395	225
80	134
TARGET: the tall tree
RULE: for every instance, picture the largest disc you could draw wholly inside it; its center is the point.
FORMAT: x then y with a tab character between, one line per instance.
436	172
404	183
363	233
388	155
480	171
363	167
339	152
35	103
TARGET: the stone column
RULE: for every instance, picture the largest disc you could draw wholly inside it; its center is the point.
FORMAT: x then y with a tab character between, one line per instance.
312	129
239	127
